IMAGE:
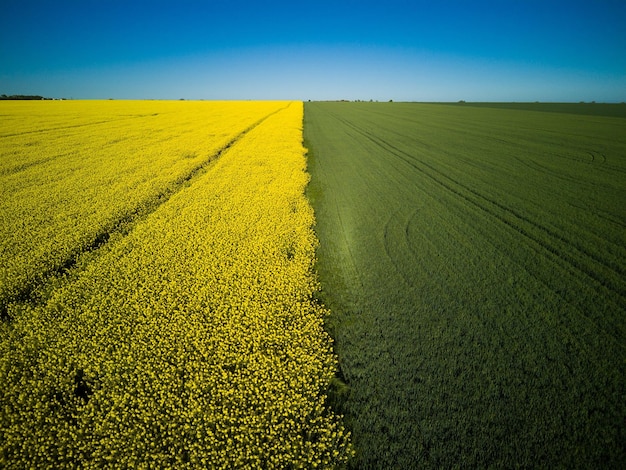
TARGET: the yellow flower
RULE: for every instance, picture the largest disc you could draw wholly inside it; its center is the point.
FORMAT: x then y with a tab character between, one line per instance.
191	339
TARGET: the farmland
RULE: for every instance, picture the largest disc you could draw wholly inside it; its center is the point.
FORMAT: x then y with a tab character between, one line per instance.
473	259
445	287
157	289
73	174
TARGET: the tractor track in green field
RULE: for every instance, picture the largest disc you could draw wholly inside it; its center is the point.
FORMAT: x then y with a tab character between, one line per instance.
515	221
397	228
550	242
545	170
403	228
594	158
599	156
121	226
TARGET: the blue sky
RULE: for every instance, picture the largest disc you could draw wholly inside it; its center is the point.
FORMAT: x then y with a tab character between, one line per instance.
438	50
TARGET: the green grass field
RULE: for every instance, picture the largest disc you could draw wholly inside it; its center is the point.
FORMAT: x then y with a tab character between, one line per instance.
474	261
590	109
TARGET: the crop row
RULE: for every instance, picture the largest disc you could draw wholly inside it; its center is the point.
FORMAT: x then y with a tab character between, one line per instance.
194	341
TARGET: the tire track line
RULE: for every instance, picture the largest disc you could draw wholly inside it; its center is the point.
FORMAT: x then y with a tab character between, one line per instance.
542	169
558	255
74	126
482	202
387	244
26	165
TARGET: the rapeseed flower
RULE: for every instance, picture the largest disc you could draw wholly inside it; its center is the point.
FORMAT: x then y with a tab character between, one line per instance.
192	341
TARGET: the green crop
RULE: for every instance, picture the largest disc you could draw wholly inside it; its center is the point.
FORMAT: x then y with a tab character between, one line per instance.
474	260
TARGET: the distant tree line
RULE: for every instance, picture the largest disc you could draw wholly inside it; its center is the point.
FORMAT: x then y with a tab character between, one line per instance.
23	97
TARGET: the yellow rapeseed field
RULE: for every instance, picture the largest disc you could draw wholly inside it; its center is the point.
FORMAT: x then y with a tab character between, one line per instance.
73	171
193	339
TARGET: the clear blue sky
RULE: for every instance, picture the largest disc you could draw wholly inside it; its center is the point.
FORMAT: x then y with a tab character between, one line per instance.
437	50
